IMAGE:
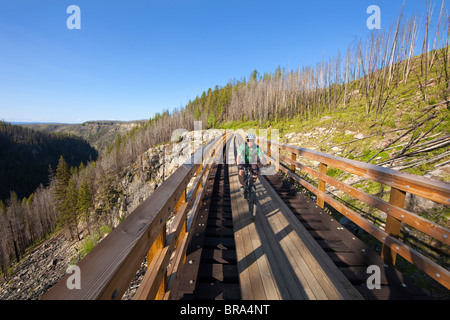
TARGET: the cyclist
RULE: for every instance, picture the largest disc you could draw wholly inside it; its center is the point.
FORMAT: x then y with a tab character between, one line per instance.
249	154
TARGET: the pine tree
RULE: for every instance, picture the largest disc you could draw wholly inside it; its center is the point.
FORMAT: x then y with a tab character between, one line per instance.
197	112
71	208
254	75
211	120
4	247
84	202
62	178
2	207
64	196
13	216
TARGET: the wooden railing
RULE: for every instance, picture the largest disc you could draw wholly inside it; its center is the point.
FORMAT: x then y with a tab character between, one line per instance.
107	271
400	184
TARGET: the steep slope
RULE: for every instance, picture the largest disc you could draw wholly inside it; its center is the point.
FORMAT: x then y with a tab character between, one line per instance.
26	155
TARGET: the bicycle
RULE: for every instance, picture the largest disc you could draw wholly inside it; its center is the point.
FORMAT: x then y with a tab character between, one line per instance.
250	191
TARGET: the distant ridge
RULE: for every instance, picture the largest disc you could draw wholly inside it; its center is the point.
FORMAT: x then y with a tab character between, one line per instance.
99	133
32	123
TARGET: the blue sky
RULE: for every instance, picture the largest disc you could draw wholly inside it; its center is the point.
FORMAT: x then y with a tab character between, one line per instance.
134	58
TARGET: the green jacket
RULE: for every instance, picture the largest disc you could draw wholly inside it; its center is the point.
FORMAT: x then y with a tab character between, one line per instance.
249	155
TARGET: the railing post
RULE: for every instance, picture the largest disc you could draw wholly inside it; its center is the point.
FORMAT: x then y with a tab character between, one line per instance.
157	246
323	168
397	198
180	201
164	164
292	167
200	168
278	160
224	140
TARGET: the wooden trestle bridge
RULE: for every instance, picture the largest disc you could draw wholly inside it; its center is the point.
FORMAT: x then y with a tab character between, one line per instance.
200	242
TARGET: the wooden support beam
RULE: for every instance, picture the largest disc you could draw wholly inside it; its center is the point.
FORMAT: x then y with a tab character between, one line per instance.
393	225
323	168
154	253
180	201
292	167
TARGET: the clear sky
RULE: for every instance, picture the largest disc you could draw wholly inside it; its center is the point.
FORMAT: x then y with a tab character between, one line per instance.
133	58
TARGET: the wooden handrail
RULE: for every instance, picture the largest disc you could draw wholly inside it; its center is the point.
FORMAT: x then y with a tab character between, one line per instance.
431	228
437	191
108	269
154	285
400	183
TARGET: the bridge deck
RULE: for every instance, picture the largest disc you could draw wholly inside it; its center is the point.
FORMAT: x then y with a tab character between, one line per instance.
277	257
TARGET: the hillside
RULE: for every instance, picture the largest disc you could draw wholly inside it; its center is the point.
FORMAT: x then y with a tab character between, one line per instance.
409	134
98	133
26	156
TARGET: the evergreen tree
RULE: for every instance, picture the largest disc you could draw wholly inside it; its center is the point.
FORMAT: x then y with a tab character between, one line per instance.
4	247
197	112
211	120
71	208
66	205
84	202
62	178
254	75
2	207
26	155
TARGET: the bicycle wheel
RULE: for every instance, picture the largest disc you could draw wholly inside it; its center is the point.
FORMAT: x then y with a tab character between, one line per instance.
251	204
253	200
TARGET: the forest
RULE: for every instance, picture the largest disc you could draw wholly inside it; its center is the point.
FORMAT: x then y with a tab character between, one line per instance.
389	70
28	156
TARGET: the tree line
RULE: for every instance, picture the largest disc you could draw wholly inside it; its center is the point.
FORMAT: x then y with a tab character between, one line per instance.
367	73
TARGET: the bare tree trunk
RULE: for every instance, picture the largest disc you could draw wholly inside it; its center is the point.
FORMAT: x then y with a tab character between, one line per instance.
425	53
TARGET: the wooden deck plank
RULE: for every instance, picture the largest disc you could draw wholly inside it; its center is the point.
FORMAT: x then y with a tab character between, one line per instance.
292	247
267	275
333	281
250	256
253	289
289	281
288	285
244	273
258	283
